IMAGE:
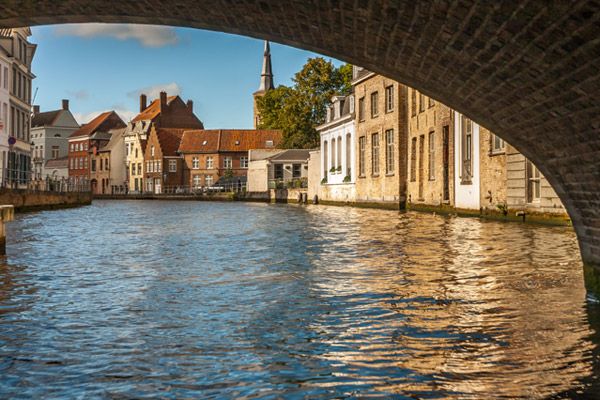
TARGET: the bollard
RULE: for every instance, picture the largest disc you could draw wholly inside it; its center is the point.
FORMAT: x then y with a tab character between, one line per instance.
7	213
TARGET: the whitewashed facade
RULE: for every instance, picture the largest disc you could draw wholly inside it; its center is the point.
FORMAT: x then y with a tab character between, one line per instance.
337	155
466	163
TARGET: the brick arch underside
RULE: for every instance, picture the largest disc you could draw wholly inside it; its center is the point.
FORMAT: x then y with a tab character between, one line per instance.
529	72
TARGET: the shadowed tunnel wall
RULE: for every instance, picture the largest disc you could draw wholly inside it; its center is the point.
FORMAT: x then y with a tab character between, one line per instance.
529	71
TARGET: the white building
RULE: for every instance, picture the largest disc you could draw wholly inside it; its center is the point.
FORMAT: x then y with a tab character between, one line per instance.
16	157
466	163
50	133
337	155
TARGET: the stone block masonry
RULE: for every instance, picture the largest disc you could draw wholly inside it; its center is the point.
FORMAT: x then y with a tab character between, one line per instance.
30	200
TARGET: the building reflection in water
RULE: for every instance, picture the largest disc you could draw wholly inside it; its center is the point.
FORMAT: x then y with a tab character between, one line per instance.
482	309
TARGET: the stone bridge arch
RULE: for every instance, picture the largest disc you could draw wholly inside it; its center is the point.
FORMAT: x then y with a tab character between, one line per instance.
529	71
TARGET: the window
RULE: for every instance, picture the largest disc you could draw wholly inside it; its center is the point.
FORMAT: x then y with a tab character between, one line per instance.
348	155
269	143
332	156
296	170
431	156
195	163
375	154
413	105
325	159
339	154
413	160
106	164
227	163
362	147
389	151
72	163
421	102
467	150
136	152
431	102
243	162
497	144
389	98
374	104
100	164
209	162
132	169
172	165
208	179
127	148
80	163
139	169
196	180
278	171
6	78
361	109
159	166
533	183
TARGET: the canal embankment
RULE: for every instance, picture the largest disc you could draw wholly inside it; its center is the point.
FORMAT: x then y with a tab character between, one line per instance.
24	200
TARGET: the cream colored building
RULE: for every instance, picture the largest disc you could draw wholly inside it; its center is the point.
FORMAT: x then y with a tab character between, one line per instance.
381	137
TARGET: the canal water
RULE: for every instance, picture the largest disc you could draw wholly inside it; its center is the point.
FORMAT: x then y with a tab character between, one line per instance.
161	299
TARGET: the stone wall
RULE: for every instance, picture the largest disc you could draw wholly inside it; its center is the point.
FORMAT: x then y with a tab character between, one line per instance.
426	122
381	186
29	200
492	173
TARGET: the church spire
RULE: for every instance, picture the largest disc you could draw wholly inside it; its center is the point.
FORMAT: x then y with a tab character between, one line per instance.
266	77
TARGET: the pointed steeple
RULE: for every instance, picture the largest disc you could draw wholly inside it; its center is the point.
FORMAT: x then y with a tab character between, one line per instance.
266	77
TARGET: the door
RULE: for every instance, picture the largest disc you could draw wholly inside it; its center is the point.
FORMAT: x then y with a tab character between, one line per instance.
157	186
446	163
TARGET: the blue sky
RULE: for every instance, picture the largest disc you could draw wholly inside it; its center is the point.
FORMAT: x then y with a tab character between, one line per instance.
104	66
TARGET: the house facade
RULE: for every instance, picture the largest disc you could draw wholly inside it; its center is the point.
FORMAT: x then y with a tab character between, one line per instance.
527	189
337	154
163	164
86	140
50	132
164	112
381	137
211	154
107	164
16	147
430	152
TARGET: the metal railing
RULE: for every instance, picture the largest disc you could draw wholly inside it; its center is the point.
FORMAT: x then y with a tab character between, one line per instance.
291	183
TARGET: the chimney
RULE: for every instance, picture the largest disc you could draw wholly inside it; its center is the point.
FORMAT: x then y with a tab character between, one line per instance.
163	101
190	106
36	110
65	104
143	102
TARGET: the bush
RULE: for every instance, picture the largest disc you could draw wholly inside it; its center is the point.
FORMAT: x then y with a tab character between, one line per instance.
324	181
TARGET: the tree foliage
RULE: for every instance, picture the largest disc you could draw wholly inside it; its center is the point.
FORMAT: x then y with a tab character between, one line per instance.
298	109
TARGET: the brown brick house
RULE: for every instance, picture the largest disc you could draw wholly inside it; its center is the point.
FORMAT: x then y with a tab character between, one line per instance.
163	165
92	135
209	154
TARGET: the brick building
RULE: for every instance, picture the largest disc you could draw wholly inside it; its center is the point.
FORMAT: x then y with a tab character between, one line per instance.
209	154
163	164
430	152
381	132
87	139
164	112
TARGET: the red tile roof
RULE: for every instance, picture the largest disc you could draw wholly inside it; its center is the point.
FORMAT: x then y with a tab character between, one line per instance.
228	140
152	111
101	122
169	139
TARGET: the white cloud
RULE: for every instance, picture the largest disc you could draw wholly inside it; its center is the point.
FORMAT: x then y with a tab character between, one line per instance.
146	35
79	94
84	118
153	92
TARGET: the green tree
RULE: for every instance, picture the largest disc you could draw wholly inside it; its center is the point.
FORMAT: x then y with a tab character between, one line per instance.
297	110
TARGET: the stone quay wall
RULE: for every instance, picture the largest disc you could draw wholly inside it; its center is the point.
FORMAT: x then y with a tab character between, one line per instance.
31	200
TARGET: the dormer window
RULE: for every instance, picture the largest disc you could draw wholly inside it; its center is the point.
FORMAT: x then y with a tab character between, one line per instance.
204	143
269	143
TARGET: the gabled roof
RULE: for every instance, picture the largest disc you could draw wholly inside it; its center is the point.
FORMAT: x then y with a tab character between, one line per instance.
152	111
300	155
169	140
228	140
115	139
100	122
45	119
